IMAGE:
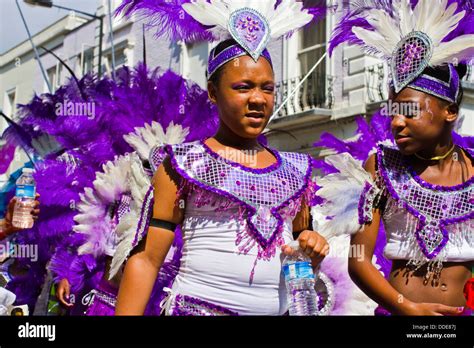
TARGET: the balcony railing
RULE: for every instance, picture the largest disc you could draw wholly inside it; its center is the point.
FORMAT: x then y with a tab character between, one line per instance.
376	78
315	92
469	77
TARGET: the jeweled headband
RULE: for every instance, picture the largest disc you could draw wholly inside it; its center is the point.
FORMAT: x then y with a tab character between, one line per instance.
448	91
230	53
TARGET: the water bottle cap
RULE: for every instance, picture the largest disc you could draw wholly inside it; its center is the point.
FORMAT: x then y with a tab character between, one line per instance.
27	170
295	245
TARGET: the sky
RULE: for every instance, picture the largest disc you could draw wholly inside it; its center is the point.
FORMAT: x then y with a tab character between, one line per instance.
12	30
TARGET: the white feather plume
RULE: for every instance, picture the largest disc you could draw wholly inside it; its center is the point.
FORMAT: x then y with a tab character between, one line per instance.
454	50
93	219
143	139
348	298
139	184
433	17
341	192
288	16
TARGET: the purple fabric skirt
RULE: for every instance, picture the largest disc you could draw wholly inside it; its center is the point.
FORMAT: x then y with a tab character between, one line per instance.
103	300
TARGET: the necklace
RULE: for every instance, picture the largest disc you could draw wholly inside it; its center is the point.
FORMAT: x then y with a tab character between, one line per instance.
437	158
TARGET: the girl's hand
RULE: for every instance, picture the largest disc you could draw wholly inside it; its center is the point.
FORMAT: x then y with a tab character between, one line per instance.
9	228
436	309
312	244
63	292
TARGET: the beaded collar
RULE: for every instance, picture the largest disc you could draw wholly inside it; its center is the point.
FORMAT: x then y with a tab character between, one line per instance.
263	193
434	206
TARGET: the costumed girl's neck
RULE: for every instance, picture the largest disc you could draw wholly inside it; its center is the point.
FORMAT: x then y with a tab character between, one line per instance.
441	153
228	138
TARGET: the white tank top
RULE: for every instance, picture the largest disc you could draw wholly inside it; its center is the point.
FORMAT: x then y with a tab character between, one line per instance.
212	268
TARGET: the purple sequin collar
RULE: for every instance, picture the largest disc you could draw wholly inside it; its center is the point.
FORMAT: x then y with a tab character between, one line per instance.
263	193
268	169
434	206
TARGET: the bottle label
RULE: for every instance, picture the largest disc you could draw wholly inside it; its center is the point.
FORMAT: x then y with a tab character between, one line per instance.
27	191
298	270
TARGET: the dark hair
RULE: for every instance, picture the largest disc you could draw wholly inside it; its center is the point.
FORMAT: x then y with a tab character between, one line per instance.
218	49
442	73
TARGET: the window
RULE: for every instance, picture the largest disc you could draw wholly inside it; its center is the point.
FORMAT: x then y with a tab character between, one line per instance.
195	63
54	77
312	46
87	61
120	60
9	106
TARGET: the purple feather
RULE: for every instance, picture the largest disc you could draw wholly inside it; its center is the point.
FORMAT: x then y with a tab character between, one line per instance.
167	18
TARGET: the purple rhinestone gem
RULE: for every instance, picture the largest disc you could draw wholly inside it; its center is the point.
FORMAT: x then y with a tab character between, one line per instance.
252	187
272	190
222	174
238	183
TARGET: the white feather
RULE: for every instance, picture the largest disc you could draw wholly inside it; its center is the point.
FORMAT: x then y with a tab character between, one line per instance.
374	41
287	17
444	27
385	26
431	26
207	13
93	219
143	139
422	13
457	49
349	299
341	192
405	16
139	183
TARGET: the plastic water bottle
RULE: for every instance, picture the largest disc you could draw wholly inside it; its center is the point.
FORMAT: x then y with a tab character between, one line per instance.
25	197
299	279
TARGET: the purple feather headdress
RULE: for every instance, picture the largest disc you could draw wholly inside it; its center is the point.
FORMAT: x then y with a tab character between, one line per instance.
411	36
251	23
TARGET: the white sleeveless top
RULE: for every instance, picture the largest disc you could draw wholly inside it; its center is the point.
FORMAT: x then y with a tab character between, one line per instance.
402	244
212	268
424	222
236	220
